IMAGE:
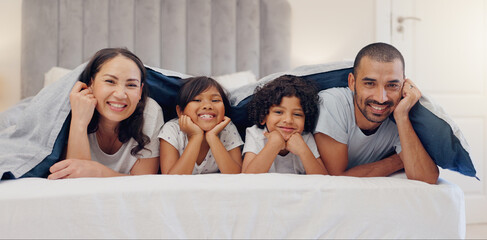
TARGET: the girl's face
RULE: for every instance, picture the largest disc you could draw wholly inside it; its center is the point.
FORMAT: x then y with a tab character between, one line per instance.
117	88
287	117
206	109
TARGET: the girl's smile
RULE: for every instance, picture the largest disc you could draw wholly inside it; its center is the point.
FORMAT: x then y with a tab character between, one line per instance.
207	109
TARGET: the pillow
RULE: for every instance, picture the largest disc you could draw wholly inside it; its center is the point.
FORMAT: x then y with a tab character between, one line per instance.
54	74
236	80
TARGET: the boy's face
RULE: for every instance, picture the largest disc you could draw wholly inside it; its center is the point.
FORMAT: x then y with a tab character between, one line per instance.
286	118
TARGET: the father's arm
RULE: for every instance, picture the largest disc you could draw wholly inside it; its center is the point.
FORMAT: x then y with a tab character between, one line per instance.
418	165
335	157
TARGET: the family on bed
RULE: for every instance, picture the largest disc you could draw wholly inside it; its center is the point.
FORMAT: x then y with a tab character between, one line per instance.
363	130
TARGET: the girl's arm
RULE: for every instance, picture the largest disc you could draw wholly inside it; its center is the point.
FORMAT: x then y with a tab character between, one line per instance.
145	166
171	163
82	108
262	162
298	146
227	161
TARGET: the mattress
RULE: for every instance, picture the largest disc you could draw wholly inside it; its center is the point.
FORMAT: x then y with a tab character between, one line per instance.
231	206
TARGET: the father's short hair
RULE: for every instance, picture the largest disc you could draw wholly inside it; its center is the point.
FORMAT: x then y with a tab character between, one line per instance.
381	52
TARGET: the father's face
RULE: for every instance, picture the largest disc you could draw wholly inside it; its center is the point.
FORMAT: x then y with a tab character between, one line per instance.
377	89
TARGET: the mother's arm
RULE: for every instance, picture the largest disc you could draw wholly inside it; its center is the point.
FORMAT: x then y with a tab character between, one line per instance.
83	105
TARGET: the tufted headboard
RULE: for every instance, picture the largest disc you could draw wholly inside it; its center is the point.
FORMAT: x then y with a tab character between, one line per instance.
196	37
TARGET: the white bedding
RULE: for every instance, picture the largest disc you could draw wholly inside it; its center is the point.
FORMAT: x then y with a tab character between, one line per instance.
231	206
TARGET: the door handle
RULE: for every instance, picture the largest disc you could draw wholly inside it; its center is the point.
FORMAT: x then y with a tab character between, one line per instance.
400	20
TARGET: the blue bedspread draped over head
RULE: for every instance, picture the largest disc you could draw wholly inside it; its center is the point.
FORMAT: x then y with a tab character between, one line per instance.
435	134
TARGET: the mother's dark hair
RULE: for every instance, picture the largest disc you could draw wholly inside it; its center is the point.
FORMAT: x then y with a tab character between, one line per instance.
133	125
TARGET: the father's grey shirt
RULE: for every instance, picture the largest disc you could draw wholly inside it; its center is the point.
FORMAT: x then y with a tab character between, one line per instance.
337	120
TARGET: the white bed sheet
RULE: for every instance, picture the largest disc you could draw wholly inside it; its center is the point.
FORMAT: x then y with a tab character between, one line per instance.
231	206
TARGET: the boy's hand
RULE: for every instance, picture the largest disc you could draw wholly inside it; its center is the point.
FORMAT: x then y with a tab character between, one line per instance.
275	138
296	143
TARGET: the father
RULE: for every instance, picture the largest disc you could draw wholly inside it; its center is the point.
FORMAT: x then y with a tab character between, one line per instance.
355	135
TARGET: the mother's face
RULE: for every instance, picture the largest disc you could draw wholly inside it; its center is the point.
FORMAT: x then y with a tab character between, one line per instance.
117	88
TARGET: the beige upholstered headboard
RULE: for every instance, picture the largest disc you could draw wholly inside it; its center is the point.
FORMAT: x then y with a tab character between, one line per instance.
196	37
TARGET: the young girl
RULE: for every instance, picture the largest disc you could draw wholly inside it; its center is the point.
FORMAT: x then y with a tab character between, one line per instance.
284	112
114	125
203	139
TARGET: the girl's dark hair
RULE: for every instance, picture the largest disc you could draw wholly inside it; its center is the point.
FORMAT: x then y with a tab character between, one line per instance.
285	86
132	126
195	85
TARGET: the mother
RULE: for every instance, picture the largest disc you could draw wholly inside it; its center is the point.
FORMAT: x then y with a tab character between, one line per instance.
114	124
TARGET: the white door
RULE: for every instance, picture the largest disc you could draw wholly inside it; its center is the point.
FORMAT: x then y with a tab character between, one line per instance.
444	43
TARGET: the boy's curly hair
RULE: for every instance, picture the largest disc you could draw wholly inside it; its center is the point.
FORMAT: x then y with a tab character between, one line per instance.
285	86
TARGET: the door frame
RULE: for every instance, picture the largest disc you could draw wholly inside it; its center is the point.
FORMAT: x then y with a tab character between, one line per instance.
383	21
384	30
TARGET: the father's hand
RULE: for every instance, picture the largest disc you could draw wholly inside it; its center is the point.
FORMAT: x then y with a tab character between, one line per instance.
411	95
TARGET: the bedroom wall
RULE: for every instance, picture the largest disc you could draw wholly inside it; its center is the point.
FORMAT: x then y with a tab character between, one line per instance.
9	53
330	30
322	31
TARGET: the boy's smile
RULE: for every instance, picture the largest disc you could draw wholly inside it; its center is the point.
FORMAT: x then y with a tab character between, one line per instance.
287	118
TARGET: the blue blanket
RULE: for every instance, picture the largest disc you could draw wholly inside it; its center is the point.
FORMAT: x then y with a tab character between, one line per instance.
34	133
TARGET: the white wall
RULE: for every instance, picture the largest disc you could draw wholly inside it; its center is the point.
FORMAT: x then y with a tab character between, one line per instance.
330	30
9	52
322	31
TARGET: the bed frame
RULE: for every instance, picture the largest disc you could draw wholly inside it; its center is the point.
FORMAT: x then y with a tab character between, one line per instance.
203	37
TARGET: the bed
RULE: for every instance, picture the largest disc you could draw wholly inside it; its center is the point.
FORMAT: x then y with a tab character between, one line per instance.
239	206
215	38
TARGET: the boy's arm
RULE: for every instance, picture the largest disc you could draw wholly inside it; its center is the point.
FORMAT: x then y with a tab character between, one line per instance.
262	162
298	146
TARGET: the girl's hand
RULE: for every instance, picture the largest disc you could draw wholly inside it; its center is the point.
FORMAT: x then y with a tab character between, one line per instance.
296	143
189	127
218	128
83	104
75	168
411	95
276	139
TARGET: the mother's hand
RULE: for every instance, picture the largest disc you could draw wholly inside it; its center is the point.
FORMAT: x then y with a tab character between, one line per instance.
75	168
83	104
